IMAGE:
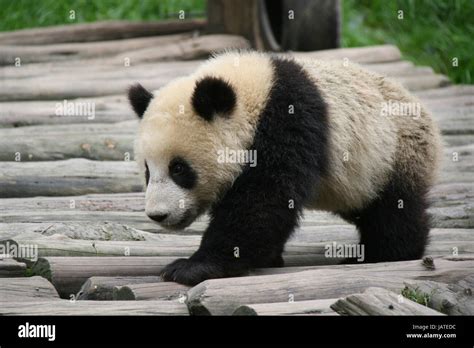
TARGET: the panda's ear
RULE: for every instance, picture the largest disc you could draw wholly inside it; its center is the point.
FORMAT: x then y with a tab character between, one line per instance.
213	96
139	98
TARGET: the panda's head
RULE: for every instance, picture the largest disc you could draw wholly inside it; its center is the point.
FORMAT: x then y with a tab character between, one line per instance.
186	125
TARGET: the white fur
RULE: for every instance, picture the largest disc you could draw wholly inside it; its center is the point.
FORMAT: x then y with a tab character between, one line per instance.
365	147
164	197
171	128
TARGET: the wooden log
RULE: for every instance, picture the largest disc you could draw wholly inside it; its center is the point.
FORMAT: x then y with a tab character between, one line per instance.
200	47
59	245
310	307
445	195
223	296
453	112
455	121
123	202
441	298
450	102
91	141
379	301
69	177
96	68
465	284
150	291
114	53
102	288
70	51
458	139
26	289
463	175
110	220
459	158
445	92
84	230
98	31
365	55
10	268
396	68
26	113
103	308
48	88
460	216
68	274
417	83
111	128
421	71
88	225
77	230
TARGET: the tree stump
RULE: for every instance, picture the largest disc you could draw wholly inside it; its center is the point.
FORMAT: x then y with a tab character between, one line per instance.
300	25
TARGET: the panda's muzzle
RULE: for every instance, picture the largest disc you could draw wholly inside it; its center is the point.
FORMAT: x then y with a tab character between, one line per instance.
167	222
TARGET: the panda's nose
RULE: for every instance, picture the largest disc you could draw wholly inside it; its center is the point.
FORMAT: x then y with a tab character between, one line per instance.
158	217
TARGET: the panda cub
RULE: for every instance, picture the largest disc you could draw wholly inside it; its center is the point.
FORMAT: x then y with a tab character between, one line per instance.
323	140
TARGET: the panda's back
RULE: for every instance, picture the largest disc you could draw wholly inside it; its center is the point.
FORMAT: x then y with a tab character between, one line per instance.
367	143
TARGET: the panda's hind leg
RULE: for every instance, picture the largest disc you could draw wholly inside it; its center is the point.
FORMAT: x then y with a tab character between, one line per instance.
395	226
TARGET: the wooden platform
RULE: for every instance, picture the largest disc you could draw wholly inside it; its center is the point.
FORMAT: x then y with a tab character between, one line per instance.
70	193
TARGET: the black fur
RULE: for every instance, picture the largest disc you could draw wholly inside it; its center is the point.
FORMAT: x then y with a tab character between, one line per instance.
213	96
186	177
139	98
147	174
257	215
389	231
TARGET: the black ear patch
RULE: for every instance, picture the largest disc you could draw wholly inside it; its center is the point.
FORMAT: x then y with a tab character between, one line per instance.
139	98
213	96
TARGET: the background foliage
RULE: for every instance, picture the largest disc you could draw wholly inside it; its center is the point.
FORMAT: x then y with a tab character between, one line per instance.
432	32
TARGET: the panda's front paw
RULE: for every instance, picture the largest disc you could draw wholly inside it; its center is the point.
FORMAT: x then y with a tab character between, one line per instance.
192	272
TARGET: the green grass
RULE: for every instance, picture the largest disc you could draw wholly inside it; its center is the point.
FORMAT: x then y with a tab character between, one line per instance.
19	14
432	32
416	296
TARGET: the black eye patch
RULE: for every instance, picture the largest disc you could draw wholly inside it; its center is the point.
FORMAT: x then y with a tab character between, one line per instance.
182	174
147	173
